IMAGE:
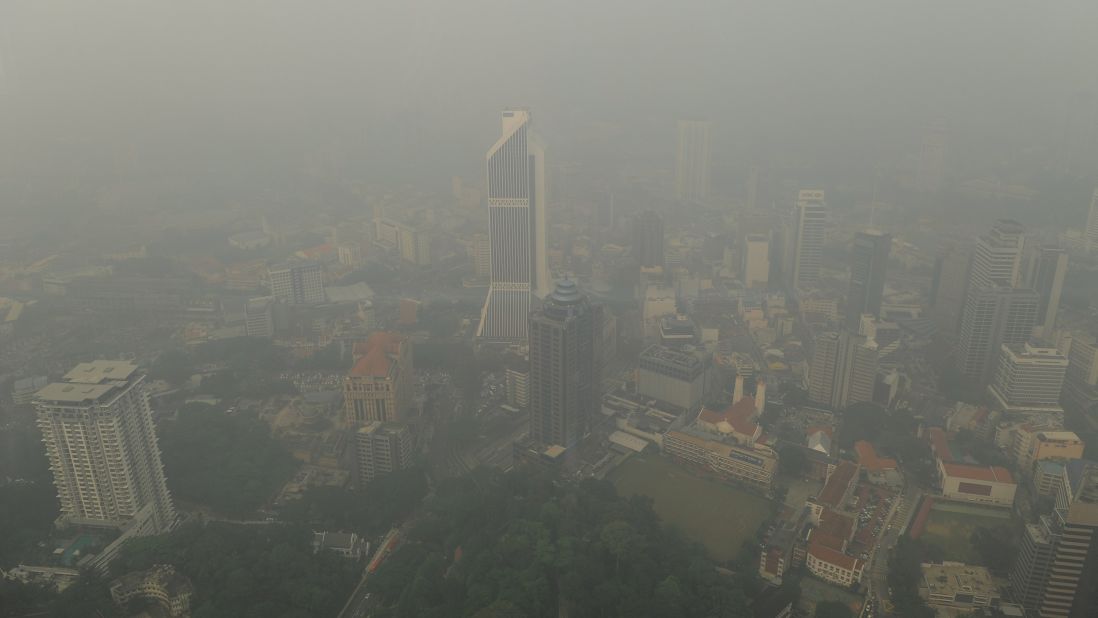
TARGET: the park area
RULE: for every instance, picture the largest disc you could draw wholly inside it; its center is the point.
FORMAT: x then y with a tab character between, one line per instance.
718	516
950	525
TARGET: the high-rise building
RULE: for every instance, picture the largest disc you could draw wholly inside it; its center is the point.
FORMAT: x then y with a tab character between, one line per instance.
482	256
948	289
1091	233
809	219
1080	394
843	370
379	385
564	368
692	161
1054	574
994	315
932	157
298	282
648	239
1047	269
97	426
868	265
755	260
516	230
997	256
350	254
1028	375
259	317
383	448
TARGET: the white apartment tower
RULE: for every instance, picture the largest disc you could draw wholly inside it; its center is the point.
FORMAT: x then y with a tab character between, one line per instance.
809	219
516	230
98	431
692	160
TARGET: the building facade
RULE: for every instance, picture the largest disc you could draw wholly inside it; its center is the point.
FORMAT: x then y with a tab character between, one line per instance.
297	283
672	376
1047	269
98	430
692	162
1029	375
516	230
565	379
809	220
755	261
843	370
868	266
379	384
383	448
648	239
994	315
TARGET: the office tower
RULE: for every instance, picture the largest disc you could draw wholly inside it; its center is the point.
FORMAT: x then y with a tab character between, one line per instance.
1091	233
1047	269
383	448
98	430
932	158
843	371
809	218
648	239
1054	574
868	265
948	289
564	368
677	377
297	283
516	230
482	256
1028	375
993	316
997	256
692	162
1080	394
755	260
379	385
259	317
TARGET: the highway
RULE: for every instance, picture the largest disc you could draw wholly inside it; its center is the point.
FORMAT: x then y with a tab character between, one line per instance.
360	603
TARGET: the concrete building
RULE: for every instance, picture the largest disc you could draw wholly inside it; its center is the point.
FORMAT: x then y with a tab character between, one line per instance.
414	246
517	378
1048	267
755	261
989	485
868	267
1028	376
23	390
1045	445
956	585
995	315
482	256
648	239
98	430
160	584
1080	394
259	317
379	384
1029	576
752	464
1090	234
997	256
692	163
383	448
672	376
350	254
843	370
809	219
297	283
516	230
948	289
565	377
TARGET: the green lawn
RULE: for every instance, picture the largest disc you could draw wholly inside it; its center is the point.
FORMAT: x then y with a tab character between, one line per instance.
716	515
950	529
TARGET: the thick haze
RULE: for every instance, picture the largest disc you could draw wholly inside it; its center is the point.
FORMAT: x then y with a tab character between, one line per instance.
231	93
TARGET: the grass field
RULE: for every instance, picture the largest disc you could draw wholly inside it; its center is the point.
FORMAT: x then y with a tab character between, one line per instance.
716	515
950	528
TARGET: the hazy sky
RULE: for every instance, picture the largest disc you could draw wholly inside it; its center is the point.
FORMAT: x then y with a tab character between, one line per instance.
408	88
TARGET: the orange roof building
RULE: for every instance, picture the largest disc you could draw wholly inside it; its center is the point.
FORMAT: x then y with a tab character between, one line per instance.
991	485
379	384
870	460
737	421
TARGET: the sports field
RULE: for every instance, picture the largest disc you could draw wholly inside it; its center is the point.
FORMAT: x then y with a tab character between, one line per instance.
716	515
950	528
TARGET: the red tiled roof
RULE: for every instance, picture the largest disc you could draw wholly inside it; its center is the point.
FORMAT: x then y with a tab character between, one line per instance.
940	443
773	558
739	415
870	460
824	428
989	474
835	527
837	484
372	355
837	558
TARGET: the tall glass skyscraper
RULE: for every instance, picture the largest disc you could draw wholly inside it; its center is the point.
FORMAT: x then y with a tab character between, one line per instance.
516	230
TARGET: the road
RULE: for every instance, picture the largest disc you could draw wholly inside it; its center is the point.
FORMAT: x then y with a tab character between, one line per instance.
903	509
359	604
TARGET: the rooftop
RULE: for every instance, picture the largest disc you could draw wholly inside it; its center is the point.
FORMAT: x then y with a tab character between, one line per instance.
989	474
373	356
98	371
831	556
870	460
951	579
837	484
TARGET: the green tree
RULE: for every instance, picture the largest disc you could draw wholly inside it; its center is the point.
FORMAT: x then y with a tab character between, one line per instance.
833	609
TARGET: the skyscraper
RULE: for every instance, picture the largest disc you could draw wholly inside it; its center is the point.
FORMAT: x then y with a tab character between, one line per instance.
516	229
868	264
809	218
1047	270
98	430
1091	233
997	256
948	288
1080	394
755	260
843	370
648	239
564	368
1028	376
994	315
692	162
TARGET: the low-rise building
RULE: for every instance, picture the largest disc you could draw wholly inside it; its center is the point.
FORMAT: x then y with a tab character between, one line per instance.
753	465
346	544
959	586
833	566
990	485
161	584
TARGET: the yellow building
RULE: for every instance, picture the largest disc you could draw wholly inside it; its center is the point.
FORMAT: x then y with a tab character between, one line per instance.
379	385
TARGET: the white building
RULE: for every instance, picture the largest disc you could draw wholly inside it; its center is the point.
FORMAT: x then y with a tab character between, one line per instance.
98	431
297	283
755	261
810	217
1028	376
989	485
516	230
